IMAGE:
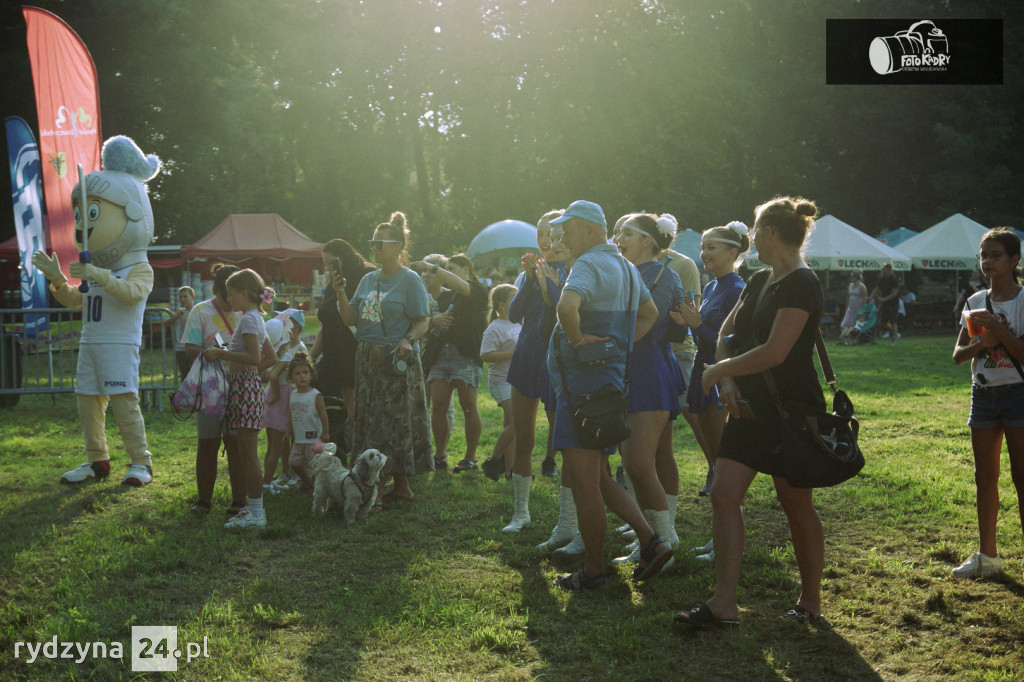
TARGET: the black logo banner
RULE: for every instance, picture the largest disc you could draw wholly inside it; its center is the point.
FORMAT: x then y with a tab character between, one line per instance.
914	52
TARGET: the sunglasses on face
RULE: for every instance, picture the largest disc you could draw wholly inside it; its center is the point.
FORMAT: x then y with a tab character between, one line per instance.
378	244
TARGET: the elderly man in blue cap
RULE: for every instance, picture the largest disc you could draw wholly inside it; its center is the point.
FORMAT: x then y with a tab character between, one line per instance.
604	300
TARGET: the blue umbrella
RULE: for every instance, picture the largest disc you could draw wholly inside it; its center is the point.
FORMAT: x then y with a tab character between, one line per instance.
502	244
896	236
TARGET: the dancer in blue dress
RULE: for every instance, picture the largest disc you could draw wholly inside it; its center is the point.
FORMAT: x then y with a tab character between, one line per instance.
533	307
720	248
655	380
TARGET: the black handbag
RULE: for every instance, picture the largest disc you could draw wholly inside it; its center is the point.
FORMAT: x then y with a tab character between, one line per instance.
819	449
599	418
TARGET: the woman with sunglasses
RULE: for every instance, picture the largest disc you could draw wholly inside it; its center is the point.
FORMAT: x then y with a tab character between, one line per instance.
390	310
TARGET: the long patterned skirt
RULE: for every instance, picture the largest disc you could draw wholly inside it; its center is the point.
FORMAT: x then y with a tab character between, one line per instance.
391	411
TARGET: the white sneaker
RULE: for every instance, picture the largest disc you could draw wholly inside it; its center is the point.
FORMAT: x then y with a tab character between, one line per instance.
710	547
274	488
633	557
138	474
246	519
979	565
84	472
885	335
293	481
283	479
573	548
707	558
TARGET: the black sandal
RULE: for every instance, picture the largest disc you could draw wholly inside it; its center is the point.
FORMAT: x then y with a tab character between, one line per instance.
702	617
580	581
799	614
464	465
201	508
493	468
653	560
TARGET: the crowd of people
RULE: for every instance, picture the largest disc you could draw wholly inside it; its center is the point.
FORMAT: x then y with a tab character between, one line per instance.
402	341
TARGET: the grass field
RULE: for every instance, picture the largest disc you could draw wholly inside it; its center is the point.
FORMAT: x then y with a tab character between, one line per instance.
433	590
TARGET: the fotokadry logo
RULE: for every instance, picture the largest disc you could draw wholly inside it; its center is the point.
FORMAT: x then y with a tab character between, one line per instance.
922	47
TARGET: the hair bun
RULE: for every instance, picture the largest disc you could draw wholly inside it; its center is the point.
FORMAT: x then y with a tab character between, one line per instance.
807	208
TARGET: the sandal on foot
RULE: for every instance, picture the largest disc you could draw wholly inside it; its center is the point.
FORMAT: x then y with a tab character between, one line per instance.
232	511
440	464
655	555
580	581
701	617
799	614
201	508
493	468
464	465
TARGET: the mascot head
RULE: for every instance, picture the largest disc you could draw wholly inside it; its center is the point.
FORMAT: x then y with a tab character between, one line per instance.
117	208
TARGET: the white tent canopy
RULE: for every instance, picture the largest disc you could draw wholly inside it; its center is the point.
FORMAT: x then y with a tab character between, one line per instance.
949	245
836	246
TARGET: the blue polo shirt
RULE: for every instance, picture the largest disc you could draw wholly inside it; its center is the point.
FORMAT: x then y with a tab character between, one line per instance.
601	277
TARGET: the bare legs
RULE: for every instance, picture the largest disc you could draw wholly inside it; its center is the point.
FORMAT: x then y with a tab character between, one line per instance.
593	487
206	469
440	398
988	445
728	490
638	457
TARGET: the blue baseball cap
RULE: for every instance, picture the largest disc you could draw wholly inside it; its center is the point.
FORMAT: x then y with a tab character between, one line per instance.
584	210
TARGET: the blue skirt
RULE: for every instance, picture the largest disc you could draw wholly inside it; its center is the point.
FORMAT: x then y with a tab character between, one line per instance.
528	373
655	386
695	397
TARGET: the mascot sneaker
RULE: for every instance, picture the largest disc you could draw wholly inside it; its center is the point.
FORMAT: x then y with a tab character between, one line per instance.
89	470
138	475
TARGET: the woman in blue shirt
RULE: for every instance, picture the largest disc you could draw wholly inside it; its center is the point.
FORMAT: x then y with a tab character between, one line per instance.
390	311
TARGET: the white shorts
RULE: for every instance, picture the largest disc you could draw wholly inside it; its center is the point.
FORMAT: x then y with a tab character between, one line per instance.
500	391
107	369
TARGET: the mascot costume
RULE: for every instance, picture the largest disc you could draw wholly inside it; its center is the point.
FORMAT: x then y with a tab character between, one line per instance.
114	219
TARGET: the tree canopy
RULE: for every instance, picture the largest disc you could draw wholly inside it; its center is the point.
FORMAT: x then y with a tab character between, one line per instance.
333	113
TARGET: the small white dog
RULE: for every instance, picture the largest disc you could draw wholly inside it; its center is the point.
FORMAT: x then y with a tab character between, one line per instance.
354	490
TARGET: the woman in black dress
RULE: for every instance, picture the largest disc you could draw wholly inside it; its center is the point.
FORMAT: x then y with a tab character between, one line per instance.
335	341
770	333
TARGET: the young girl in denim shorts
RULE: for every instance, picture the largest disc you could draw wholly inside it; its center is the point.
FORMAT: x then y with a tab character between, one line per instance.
992	324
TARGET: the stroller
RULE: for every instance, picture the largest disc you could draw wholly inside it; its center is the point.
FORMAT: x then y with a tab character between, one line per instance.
863	330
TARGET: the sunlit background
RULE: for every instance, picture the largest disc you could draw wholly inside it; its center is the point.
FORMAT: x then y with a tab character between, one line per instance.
335	113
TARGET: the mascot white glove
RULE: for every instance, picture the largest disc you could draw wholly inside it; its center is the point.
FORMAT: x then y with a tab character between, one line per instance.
49	266
89	272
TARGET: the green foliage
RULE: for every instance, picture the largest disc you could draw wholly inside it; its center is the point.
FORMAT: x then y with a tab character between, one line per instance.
334	114
432	589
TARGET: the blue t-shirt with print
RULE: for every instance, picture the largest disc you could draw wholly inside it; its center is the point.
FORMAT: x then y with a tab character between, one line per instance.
400	297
